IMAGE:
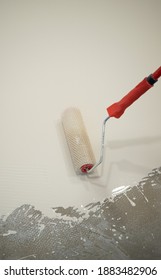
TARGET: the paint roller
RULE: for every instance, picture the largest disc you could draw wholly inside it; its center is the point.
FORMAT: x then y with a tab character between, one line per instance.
76	135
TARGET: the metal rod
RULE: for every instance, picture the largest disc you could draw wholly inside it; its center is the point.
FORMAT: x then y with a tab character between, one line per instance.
102	146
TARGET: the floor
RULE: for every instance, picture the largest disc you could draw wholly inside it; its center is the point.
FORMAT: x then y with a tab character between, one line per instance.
124	227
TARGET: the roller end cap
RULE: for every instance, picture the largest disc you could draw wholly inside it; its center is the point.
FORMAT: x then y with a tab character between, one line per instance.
86	167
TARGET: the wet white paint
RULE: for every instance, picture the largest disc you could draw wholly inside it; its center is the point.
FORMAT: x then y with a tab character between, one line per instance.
143	194
41	228
28	257
130	200
119	190
55	55
10	232
83	239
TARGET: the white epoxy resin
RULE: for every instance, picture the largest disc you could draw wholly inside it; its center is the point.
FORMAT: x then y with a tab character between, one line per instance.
85	54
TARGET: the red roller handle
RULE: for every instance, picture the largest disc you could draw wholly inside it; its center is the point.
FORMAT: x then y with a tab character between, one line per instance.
118	108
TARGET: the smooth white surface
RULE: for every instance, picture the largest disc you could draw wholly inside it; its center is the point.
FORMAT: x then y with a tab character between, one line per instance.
88	54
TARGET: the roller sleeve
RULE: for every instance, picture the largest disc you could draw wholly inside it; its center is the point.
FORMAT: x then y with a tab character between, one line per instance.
78	140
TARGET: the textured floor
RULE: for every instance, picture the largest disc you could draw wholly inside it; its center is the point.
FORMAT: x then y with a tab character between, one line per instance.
125	227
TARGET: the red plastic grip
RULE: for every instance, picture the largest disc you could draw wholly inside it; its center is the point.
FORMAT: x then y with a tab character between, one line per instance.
118	108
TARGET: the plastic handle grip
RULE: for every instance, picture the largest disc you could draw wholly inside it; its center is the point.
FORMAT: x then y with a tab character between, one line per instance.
118	108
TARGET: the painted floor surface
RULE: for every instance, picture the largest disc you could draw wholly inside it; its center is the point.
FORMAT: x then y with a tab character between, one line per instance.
87	54
125	227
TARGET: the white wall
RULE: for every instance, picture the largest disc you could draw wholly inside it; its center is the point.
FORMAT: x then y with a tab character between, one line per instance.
57	54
